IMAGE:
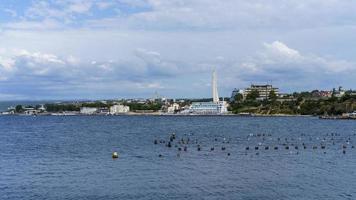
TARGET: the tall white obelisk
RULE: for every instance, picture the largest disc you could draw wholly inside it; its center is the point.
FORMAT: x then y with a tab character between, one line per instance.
215	87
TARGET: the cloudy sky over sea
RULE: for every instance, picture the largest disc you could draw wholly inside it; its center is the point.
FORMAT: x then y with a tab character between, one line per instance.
75	49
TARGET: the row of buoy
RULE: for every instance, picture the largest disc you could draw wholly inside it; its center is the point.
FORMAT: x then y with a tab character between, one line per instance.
295	147
182	144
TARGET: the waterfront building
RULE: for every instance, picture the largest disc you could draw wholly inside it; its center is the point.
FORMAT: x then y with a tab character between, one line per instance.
119	109
263	90
88	110
173	108
30	111
208	107
42	108
103	110
338	93
214	107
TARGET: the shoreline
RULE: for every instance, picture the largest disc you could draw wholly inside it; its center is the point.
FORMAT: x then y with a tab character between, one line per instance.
163	114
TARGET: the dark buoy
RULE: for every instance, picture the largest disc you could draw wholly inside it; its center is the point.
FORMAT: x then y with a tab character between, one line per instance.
247	148
212	149
256	148
322	147
179	149
275	148
287	147
344	152
344	146
228	154
169	145
296	147
185	148
199	148
160	155
115	155
266	148
155	142
223	148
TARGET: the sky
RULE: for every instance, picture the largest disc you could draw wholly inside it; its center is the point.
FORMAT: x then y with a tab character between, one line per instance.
96	49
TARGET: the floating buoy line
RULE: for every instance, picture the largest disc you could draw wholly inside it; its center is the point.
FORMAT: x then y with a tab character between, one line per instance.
255	144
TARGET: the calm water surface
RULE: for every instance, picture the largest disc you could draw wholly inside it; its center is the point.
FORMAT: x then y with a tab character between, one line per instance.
50	157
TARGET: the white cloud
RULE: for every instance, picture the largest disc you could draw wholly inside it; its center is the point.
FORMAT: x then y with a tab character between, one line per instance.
98	46
46	24
12	12
80	7
288	68
149	86
279	49
102	5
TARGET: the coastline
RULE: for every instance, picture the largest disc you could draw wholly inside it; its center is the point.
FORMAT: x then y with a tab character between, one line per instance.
162	114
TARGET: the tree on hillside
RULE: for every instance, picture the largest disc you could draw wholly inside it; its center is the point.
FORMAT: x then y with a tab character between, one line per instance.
253	95
238	97
18	108
272	96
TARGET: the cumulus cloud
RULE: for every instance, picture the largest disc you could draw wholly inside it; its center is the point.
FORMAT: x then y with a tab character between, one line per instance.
49	73
290	69
129	47
155	65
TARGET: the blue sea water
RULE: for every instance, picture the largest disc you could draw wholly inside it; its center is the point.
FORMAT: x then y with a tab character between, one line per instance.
69	157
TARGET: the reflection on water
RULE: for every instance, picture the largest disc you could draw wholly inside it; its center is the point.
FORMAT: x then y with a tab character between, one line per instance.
70	158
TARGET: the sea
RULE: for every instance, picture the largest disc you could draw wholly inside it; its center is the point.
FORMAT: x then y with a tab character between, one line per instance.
226	157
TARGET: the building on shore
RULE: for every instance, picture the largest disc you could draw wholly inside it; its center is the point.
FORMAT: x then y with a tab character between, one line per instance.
173	108
208	108
119	109
214	107
338	93
263	91
31	111
88	110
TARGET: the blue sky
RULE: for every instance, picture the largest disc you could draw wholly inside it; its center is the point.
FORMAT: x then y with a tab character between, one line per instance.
80	49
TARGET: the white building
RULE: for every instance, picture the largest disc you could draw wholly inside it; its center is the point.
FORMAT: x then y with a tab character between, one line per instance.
214	107
88	110
174	107
339	93
119	109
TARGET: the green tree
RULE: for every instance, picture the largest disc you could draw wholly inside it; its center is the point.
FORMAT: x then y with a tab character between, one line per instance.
238	97
272	95
253	95
18	108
